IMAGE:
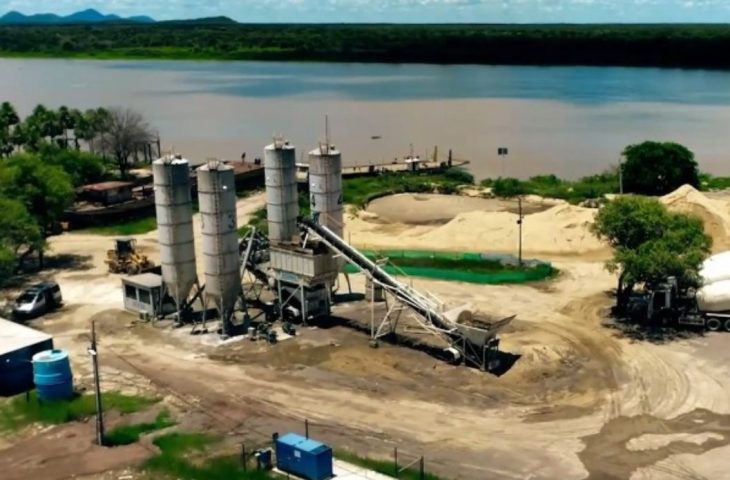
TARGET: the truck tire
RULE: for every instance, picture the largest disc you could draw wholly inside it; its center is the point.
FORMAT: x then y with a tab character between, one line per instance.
727	325
713	324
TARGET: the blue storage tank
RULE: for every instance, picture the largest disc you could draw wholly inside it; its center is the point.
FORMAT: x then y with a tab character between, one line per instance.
52	375
303	457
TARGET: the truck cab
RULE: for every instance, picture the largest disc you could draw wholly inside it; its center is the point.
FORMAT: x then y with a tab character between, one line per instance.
664	304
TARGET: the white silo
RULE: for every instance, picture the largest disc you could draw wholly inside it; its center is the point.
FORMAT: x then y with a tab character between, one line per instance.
217	198
325	186
282	202
174	210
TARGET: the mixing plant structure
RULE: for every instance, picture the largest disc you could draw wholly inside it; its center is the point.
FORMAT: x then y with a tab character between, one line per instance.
174	211
302	271
217	199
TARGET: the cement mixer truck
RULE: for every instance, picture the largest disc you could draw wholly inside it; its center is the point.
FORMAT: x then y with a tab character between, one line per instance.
707	307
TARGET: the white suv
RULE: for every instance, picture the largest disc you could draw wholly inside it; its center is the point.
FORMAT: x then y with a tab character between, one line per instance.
37	300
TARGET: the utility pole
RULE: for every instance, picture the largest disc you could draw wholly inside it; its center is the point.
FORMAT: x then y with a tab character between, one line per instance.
519	224
502	152
97	387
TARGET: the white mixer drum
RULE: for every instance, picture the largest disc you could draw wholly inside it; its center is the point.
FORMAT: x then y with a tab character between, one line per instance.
715	269
714	297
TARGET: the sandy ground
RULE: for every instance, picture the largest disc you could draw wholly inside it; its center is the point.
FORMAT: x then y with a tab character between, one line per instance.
580	402
427	208
452	223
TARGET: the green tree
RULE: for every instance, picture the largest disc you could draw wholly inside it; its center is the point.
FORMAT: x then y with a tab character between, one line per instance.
8	116
66	120
46	122
19	232
45	190
6	143
657	168
91	125
82	167
8	120
650	243
7	263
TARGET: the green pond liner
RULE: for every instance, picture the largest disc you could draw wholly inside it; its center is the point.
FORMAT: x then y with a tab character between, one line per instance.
469	267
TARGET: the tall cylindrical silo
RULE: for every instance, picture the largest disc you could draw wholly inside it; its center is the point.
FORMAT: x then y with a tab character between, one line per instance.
282	202
325	186
173	204
217	198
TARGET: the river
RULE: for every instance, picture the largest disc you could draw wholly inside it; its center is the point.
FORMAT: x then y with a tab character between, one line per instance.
571	121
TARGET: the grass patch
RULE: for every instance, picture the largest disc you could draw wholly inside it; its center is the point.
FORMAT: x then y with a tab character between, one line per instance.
361	190
465	265
461	267
386	467
174	460
126	228
550	186
17	412
128	434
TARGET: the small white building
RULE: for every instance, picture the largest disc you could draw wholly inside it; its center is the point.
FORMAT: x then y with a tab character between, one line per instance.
142	293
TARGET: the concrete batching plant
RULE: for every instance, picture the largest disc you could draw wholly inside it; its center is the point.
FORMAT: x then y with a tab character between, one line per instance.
304	271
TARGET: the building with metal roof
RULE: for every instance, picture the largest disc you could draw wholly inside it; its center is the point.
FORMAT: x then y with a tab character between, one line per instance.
18	344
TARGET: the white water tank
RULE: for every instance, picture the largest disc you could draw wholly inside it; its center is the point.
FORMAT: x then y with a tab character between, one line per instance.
714	297
217	198
282	196
325	186
174	211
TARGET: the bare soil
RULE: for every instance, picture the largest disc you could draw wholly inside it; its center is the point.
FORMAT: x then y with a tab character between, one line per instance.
568	408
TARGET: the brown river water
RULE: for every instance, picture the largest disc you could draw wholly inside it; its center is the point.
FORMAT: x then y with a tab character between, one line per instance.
571	121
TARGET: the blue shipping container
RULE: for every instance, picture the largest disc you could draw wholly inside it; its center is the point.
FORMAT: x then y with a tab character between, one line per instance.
303	457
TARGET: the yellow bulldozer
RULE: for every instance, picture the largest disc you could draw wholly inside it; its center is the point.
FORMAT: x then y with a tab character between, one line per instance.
125	259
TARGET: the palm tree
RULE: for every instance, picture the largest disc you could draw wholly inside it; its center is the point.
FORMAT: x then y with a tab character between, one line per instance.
46	122
66	121
77	119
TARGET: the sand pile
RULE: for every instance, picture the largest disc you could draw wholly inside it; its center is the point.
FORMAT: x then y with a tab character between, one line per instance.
715	213
563	229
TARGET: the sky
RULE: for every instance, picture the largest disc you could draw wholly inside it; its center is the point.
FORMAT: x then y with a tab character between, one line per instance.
400	11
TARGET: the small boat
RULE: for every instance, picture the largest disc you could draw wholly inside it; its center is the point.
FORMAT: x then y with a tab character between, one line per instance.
376	137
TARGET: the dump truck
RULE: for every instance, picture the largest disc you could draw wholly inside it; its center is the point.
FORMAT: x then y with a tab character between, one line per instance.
125	258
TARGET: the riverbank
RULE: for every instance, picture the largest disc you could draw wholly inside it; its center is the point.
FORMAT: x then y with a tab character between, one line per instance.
686	46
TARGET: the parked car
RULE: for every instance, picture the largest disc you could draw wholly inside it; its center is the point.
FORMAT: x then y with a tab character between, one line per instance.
37	300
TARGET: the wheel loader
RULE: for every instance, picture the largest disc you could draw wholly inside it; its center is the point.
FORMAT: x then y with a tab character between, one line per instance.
125	259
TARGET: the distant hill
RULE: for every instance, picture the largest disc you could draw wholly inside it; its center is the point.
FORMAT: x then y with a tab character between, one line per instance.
85	16
221	20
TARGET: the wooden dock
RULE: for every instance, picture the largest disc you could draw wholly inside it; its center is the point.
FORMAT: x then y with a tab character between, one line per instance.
351	171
